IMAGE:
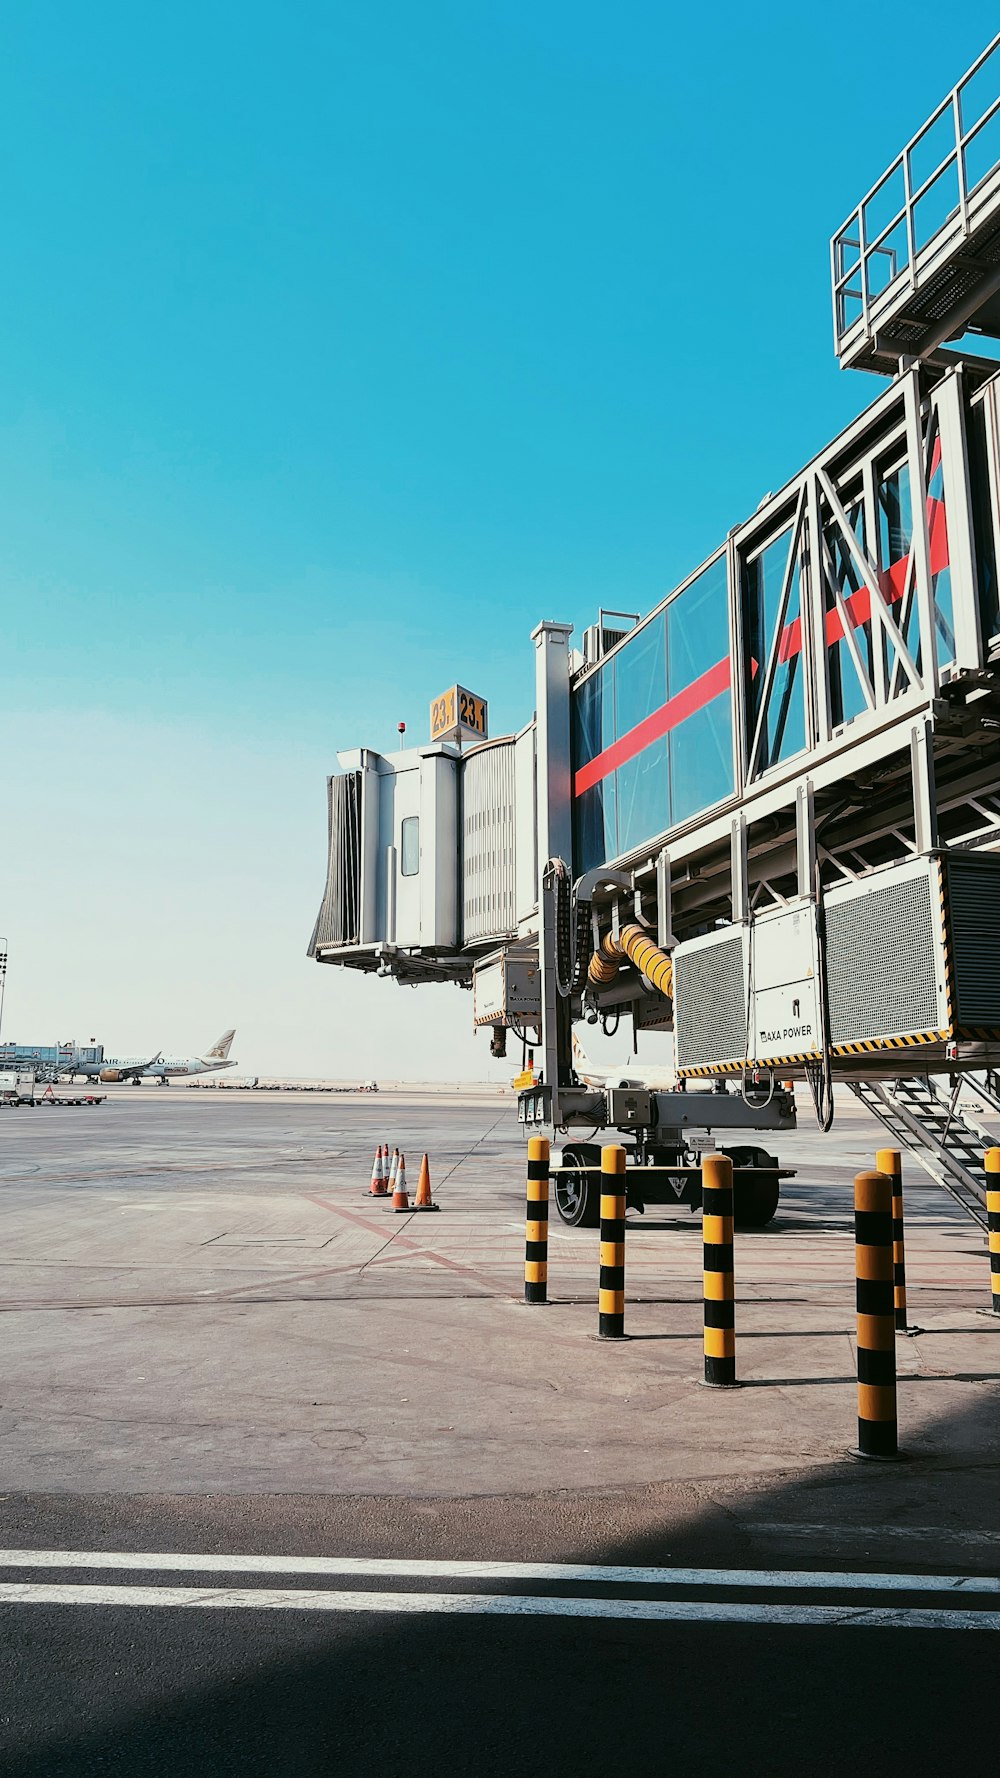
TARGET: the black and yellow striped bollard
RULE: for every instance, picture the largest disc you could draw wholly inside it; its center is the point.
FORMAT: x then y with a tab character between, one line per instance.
536	1223
993	1223
877	1434
890	1162
611	1294
719	1284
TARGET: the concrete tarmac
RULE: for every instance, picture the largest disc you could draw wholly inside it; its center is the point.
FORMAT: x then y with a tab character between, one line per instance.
199	1296
215	1341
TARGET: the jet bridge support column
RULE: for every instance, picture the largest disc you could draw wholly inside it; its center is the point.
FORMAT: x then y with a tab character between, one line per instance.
555	838
925	823
740	870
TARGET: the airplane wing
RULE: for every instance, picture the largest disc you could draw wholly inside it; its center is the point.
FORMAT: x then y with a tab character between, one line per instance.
138	1068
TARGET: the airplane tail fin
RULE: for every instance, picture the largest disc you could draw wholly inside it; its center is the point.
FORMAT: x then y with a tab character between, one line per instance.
220	1050
583	1065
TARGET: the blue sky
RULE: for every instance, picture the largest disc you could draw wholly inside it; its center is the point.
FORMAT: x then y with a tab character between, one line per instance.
338	346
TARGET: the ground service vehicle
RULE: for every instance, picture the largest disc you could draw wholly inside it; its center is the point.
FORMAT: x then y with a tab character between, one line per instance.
764	818
16	1089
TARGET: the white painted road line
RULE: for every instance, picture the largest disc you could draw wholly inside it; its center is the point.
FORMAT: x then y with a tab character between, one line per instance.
566	1572
687	1611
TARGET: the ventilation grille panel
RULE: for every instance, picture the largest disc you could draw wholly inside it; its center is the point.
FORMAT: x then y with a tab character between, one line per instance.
974	918
880	959
710	1014
488	884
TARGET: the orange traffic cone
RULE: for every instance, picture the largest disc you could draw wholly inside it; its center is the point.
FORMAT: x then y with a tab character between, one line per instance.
400	1201
391	1169
423	1199
378	1186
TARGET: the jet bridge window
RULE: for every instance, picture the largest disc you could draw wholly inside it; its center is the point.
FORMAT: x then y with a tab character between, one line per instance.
984	519
850	646
409	846
701	740
896	577
641	691
774	657
652	727
937	530
595	819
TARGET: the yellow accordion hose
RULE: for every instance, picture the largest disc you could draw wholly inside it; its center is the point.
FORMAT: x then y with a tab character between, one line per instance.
647	958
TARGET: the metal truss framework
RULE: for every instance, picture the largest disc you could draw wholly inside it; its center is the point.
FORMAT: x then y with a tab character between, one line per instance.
873	659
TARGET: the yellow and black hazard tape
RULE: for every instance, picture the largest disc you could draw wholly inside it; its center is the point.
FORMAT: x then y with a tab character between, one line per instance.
949	963
738	1067
871	1044
868	1046
701	1072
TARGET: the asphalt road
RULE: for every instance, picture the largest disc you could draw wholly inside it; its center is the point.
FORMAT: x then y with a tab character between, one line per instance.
289	1673
250	1426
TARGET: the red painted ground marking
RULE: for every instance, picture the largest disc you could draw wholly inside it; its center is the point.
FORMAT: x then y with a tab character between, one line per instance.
361	1222
413	1247
498	1286
268	1283
371	1228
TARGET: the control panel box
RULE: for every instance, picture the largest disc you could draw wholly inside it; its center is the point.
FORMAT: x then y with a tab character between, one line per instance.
783	983
750	993
629	1108
506	990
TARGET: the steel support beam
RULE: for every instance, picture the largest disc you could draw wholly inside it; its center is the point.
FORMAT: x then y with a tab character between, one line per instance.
925	819
555	838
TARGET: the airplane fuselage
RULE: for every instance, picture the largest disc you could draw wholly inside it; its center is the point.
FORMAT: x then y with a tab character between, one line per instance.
140	1068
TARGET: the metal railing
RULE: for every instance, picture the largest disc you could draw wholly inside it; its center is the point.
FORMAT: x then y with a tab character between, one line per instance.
908	208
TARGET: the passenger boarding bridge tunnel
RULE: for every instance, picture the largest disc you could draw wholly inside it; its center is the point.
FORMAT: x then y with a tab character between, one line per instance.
843	645
788	773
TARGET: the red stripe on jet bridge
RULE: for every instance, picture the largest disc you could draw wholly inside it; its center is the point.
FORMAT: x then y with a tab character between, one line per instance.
892	581
676	710
712	684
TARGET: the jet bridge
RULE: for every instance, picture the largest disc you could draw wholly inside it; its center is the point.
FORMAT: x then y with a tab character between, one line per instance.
765	817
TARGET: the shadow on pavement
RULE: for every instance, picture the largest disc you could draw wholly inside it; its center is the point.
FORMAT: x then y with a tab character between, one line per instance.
189	1694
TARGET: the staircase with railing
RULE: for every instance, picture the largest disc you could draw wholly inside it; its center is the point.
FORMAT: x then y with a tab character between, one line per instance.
921	1114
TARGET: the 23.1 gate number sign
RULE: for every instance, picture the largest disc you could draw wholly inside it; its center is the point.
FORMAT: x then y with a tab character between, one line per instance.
458	712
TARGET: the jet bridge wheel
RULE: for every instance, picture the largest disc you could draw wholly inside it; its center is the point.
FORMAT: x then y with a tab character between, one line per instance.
578	1195
756	1192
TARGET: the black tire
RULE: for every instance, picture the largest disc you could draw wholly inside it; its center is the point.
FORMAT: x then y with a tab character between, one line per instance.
578	1195
756	1187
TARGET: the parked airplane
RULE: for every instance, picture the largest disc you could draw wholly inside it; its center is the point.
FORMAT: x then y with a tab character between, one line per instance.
164	1068
639	1074
128	1068
160	1068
